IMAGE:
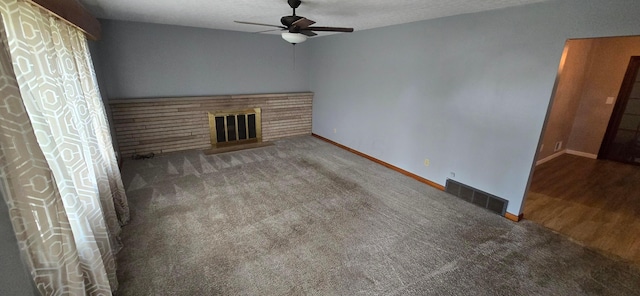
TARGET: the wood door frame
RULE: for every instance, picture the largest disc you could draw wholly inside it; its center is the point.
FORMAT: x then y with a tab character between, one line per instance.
620	106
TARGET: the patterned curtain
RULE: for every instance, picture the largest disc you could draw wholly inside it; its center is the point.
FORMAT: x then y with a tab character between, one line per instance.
58	171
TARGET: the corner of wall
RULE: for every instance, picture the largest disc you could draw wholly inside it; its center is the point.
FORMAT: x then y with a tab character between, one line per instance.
94	49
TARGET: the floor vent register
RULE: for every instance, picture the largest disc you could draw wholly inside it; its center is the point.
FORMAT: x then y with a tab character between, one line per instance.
478	197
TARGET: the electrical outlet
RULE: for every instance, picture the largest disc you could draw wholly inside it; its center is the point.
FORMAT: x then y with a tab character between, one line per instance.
427	162
335	130
558	146
610	100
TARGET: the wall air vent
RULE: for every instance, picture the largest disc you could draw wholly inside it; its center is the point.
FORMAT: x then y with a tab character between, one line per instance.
478	197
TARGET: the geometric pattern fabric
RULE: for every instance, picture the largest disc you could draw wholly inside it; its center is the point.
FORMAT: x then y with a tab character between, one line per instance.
58	171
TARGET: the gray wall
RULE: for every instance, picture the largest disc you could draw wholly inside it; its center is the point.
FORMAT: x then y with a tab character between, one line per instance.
150	60
14	278
469	92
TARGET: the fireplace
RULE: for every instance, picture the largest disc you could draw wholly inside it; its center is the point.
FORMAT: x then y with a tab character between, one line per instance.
235	127
165	125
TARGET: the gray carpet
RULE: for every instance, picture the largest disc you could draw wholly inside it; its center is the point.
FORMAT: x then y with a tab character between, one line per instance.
306	218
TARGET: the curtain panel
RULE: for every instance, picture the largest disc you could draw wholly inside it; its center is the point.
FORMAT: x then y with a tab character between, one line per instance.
59	173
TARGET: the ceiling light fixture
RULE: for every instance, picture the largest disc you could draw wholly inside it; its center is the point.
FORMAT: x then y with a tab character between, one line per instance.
294	38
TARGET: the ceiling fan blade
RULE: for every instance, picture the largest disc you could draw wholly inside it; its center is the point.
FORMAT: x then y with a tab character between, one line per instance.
267	31
259	24
308	33
303	23
330	29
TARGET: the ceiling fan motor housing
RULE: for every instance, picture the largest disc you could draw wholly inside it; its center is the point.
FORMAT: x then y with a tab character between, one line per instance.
288	21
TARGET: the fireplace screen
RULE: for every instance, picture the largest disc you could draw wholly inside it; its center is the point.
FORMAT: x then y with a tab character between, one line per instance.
235	127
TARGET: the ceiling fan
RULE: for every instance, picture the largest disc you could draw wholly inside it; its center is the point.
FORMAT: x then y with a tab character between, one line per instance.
298	28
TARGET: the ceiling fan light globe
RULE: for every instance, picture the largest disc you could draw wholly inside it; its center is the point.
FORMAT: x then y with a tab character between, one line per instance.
294	38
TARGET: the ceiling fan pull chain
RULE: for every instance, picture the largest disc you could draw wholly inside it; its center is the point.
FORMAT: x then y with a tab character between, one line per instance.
294	56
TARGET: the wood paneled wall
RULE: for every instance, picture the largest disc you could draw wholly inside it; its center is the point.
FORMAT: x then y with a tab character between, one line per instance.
162	125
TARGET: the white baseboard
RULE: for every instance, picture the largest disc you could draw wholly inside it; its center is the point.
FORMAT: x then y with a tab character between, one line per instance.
550	157
567	151
583	154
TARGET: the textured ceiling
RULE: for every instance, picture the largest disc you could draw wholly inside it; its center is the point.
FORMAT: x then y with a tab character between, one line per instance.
220	14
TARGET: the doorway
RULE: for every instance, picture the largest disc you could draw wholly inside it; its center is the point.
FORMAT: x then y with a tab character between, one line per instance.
573	190
622	139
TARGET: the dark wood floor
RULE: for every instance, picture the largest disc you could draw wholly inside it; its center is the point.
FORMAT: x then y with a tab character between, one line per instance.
594	202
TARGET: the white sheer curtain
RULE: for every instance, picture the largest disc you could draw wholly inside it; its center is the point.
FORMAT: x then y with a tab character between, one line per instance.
50	79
